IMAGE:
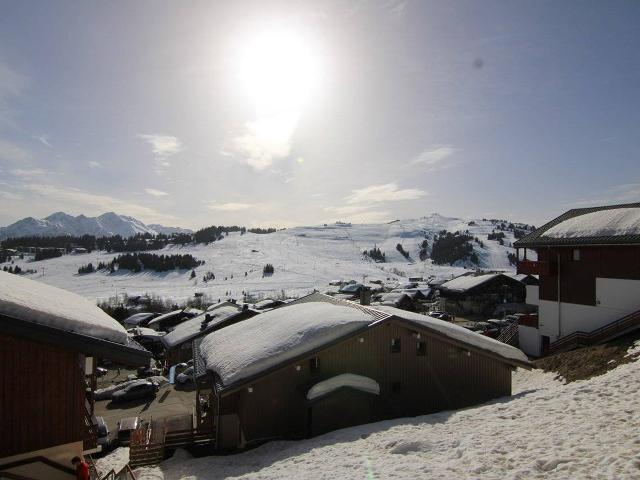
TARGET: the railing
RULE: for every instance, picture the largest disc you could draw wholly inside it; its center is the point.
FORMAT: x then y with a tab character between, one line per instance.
124	473
611	330
509	335
148	445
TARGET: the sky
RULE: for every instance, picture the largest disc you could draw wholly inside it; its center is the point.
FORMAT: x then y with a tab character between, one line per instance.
295	113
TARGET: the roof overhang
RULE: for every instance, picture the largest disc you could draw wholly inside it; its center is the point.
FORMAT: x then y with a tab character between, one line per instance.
131	355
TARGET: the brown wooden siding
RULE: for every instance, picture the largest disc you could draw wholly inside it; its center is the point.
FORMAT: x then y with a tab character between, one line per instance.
445	378
578	278
41	396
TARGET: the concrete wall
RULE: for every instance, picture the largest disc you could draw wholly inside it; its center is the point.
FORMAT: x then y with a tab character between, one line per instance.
615	299
529	340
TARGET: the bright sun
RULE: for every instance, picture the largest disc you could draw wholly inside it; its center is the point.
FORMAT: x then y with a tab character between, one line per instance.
279	70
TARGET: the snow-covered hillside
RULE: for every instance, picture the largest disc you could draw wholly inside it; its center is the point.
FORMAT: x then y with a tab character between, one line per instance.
546	430
304	258
60	223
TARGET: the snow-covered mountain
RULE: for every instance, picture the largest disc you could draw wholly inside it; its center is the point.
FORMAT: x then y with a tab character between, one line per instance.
168	230
304	258
61	223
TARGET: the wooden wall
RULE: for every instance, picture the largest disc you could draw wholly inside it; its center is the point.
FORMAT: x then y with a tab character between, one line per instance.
578	278
445	378
41	396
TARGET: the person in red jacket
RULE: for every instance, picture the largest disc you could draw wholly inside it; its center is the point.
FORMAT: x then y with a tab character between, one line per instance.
82	468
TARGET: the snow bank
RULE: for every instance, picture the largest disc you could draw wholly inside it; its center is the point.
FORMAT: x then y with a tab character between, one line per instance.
604	223
189	329
459	333
254	345
350	380
585	429
36	302
467	282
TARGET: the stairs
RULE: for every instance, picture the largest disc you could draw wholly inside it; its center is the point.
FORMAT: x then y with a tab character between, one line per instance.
610	331
509	335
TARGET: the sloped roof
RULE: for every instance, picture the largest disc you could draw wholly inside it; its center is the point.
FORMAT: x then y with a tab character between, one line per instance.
54	316
467	282
199	325
246	349
605	225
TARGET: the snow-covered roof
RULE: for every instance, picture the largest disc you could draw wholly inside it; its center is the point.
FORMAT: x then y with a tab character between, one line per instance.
602	223
242	350
459	333
163	317
467	282
349	380
393	298
194	327
31	301
145	332
138	318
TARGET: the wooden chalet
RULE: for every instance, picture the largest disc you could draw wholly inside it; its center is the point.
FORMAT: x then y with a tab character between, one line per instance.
588	262
480	294
320	364
50	341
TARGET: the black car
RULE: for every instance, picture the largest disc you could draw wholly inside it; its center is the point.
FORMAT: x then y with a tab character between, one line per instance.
135	391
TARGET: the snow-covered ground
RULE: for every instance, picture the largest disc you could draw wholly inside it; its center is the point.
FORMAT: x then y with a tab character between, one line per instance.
304	258
546	430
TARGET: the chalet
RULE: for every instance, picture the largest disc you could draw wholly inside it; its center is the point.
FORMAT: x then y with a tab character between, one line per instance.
320	364
480	294
397	299
50	341
168	321
178	342
588	260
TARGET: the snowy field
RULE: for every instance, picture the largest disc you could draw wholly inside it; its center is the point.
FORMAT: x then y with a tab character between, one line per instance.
304	258
547	430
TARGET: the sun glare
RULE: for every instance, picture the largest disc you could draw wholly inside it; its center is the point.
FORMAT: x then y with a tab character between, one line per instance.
279	70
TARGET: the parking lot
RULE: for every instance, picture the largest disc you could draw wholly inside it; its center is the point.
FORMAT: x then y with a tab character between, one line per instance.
170	400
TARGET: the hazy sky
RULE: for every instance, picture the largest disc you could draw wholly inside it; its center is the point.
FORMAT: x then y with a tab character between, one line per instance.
194	113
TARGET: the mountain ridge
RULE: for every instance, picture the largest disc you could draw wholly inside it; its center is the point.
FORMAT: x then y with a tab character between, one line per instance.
104	225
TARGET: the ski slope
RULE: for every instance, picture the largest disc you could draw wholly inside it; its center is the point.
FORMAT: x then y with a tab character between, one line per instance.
305	258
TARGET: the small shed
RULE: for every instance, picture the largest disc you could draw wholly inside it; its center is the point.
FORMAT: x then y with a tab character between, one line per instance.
480	294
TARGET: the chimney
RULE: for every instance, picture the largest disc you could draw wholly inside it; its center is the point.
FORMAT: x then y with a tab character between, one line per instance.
365	296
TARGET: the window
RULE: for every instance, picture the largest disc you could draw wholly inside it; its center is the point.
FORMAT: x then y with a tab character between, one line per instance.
314	364
396	387
576	255
421	349
395	345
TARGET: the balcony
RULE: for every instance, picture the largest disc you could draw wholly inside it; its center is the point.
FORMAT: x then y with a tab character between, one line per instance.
530	267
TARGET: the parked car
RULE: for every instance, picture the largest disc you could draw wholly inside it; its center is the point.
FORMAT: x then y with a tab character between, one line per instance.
103	433
441	316
101	371
498	323
186	376
135	391
125	427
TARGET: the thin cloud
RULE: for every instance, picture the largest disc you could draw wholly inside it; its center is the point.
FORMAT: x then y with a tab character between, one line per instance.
94	164
162	145
27	173
357	213
265	140
435	157
388	192
43	139
228	207
626	193
155	193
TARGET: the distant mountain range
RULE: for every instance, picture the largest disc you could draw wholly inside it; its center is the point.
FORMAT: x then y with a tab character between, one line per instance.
105	225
